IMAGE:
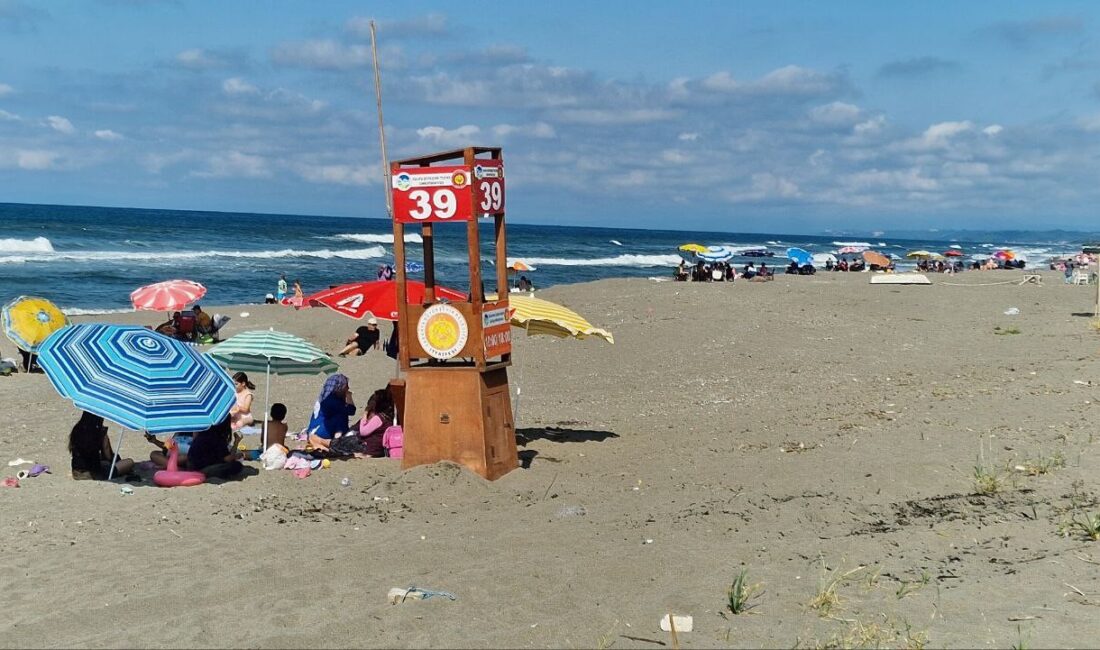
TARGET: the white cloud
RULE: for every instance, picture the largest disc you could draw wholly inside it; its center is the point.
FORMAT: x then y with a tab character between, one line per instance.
339	174
688	137
36	159
6	90
60	124
107	134
905	179
873	125
234	164
993	129
540	130
461	137
835	114
12	117
603	117
200	59
938	135
765	186
322	55
238	86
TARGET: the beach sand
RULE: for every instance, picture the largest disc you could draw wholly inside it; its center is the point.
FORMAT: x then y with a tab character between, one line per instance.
791	428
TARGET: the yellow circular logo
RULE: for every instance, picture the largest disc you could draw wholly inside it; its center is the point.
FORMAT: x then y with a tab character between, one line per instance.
458	179
442	331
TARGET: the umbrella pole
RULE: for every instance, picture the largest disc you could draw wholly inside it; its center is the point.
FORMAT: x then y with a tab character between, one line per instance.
111	473
267	399
519	378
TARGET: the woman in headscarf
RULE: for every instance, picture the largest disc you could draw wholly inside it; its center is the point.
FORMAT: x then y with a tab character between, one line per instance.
331	412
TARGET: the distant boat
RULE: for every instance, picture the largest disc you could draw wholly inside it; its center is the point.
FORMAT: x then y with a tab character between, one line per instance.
757	252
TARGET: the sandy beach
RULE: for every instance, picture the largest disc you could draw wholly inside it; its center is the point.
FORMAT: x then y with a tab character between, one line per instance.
819	432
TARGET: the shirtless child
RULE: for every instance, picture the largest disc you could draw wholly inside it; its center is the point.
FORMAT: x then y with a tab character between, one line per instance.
276	426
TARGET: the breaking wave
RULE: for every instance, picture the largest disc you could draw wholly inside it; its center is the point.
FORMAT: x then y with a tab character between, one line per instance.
156	258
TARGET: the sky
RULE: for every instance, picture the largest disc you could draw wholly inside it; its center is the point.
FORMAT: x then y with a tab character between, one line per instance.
734	116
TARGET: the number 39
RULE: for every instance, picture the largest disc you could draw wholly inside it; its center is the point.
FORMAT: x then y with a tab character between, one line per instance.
492	196
442	200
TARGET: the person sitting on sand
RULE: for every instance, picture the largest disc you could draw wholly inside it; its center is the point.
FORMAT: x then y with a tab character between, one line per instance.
364	339
168	327
331	411
276	425
749	271
160	457
241	413
364	440
681	272
212	454
524	284
91	450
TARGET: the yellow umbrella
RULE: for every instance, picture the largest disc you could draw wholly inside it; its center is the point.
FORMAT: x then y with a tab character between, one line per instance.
28	321
693	248
919	254
539	316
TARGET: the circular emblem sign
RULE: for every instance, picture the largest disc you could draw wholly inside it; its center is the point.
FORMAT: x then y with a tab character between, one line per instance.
442	331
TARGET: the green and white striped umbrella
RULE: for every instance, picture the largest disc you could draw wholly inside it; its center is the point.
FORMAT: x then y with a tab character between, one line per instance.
272	352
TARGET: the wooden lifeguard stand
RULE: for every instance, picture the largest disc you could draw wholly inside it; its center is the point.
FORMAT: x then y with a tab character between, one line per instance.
457	404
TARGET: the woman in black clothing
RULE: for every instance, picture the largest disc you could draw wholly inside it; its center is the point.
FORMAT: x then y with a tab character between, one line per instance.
210	452
92	452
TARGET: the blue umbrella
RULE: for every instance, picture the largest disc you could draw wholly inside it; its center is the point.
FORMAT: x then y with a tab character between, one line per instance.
802	257
137	378
413	267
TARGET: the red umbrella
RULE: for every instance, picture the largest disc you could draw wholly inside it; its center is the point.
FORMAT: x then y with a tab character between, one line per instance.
378	298
953	253
170	295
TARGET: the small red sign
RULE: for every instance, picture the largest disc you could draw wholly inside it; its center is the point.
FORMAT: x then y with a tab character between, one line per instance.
488	187
432	194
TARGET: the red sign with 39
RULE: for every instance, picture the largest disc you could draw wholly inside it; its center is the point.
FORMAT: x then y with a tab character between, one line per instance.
432	194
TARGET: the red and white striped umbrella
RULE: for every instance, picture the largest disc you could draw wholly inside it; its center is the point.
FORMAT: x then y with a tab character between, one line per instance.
170	295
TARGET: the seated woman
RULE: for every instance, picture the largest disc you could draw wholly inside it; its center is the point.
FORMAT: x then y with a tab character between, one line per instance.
183	444
241	413
168	327
331	411
368	443
92	452
212	454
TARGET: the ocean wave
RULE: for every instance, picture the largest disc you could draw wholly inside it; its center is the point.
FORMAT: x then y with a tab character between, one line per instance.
157	258
852	243
619	260
410	238
77	311
36	245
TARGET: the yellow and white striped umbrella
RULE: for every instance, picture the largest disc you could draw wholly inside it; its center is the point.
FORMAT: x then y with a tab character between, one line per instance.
29	320
539	316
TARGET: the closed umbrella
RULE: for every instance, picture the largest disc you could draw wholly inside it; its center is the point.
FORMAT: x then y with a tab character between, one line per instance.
378	298
273	353
800	256
29	320
170	295
137	378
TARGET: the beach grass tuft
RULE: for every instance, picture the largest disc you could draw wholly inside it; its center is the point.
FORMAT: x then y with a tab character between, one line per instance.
827	599
740	595
987	481
1085	524
1002	331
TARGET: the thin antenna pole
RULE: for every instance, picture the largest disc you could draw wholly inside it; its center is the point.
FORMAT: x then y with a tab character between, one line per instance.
381	128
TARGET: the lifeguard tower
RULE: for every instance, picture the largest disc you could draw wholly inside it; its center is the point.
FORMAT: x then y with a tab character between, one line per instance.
457	405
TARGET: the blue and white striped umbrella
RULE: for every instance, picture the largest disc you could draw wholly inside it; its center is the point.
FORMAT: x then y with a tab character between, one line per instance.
137	378
801	256
716	254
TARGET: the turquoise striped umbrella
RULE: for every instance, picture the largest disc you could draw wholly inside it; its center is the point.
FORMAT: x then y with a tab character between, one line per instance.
272	352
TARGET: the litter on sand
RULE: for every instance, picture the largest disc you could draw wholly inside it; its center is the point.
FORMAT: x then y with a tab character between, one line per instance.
683	623
399	595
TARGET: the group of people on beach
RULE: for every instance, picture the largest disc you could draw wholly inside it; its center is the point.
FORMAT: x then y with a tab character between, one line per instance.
216	451
721	272
193	325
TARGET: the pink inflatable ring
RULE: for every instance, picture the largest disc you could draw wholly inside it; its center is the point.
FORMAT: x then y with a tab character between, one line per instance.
173	476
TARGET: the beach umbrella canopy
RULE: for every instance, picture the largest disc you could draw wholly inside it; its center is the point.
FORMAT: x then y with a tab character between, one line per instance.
539	316
519	266
414	267
953	253
170	295
716	254
272	353
28	321
848	250
919	255
136	378
1004	255
800	256
378	298
876	258
692	248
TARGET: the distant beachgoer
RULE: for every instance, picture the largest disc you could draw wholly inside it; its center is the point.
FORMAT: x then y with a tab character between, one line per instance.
91	450
524	284
276	425
365	338
281	292
299	297
749	271
30	361
241	413
331	411
269	299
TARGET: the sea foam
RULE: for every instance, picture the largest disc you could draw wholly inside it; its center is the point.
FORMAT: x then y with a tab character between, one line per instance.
36	245
124	256
619	260
410	238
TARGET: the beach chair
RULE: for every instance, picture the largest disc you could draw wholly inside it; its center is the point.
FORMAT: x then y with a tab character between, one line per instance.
1080	276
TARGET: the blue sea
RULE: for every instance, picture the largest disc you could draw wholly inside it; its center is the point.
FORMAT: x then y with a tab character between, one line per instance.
89	259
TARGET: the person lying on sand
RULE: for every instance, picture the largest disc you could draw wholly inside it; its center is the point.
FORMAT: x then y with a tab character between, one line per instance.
365	338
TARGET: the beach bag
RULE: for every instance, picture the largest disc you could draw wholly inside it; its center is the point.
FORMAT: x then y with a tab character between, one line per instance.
394	441
392	344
